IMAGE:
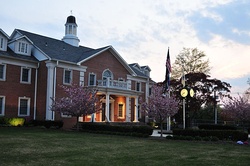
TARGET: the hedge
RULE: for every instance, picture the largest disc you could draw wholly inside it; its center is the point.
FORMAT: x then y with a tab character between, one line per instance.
216	127
48	124
12	121
233	135
142	129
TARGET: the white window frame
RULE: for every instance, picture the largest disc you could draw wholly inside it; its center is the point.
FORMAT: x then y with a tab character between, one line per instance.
29	75
64	75
3	106
122	109
94	84
28	106
23	47
4	72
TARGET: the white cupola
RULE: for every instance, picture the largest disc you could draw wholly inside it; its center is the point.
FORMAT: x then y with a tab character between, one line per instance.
71	32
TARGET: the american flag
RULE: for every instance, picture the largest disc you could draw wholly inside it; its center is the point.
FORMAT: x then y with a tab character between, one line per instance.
168	71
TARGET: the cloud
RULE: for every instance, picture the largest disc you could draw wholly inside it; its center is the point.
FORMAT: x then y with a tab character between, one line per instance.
223	20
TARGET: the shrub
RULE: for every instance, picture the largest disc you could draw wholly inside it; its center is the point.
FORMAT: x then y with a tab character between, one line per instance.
216	127
48	124
169	137
206	138
214	139
197	138
220	134
12	121
130	129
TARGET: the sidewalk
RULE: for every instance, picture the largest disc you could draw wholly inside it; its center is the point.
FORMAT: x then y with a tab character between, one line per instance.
156	133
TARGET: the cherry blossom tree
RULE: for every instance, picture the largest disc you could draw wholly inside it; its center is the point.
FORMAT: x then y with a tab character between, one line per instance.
237	108
78	101
160	106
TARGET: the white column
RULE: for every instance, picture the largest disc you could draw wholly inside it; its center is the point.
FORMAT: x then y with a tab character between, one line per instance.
168	123
50	84
136	110
107	107
128	118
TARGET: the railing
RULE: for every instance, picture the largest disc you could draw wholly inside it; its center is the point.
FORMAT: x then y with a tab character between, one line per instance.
113	84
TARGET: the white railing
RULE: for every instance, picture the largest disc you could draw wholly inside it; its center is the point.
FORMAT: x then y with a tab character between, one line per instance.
113	84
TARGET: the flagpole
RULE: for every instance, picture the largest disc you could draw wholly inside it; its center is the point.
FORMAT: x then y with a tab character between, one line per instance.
184	111
168	118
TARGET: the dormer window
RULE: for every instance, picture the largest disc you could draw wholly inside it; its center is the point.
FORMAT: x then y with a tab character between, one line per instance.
3	43
22	47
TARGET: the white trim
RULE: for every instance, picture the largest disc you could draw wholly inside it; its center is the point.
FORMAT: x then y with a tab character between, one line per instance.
28	106
16	62
3	106
4	72
29	75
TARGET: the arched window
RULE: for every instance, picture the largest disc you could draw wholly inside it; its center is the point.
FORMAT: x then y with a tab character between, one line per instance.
107	74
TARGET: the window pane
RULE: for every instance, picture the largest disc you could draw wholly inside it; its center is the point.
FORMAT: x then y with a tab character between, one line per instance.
1	43
92	79
138	86
67	76
1	105
25	75
1	71
23	107
120	111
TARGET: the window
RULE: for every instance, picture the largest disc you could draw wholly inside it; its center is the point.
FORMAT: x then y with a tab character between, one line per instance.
25	75
2	72
120	111
107	74
24	106
67	77
138	86
1	42
150	91
92	79
23	47
2	105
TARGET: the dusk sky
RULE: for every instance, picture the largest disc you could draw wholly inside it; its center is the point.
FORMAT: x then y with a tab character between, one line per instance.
142	30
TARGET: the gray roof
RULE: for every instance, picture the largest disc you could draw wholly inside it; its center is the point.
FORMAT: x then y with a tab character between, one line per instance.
137	71
59	50
10	53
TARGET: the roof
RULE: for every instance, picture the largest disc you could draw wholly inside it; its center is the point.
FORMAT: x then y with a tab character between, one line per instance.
134	66
59	50
1	31
10	53
71	19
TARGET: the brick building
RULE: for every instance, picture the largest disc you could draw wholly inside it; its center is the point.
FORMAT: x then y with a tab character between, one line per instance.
32	68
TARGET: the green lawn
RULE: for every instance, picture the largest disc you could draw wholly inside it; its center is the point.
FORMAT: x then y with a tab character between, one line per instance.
38	146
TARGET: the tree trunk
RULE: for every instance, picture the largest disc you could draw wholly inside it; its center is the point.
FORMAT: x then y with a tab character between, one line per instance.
161	127
77	123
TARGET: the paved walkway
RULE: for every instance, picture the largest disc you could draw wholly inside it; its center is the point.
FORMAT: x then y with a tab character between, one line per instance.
156	133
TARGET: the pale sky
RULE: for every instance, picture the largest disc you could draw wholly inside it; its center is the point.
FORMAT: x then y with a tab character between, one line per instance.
142	30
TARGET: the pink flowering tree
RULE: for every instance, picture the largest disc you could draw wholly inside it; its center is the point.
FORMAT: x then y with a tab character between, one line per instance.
237	109
160	106
78	101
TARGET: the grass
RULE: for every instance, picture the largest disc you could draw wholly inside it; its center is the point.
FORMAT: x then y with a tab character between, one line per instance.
38	146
